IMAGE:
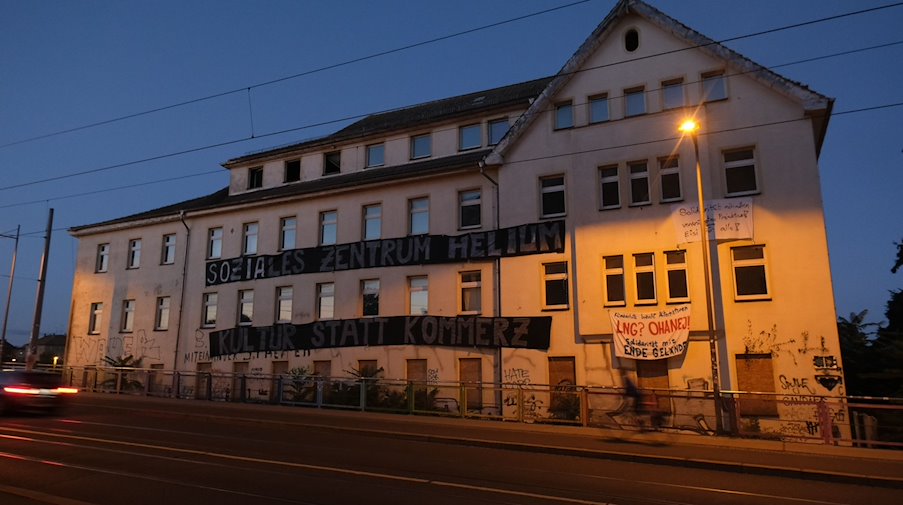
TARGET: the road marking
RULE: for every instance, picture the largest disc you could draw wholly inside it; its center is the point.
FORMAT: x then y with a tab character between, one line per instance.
332	469
41	497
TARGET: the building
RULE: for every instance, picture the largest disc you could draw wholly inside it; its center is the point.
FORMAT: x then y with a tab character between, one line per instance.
544	232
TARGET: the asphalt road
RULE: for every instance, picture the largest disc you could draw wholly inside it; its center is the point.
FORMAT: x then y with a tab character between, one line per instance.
120	450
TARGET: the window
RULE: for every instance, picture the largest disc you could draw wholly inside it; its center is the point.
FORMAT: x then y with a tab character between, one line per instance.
128	316
750	276
368	367
471	293
376	155
326	300
418	295
555	285
287	228
245	307
598	109
255	177
644	273
214	243
249	238
740	171
610	187
631	40
292	171
552	198
614	280
639	184
168	254
332	163
419	212
564	116
676	267
469	209
95	318
497	129
284	304
161	320
634	101
373	222
103	258
421	146
755	372
673	94
134	253
328	224
470	372
714	86
209	316
470	137
370	297
669	173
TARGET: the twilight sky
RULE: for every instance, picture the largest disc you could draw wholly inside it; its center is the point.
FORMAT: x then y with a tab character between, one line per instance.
68	64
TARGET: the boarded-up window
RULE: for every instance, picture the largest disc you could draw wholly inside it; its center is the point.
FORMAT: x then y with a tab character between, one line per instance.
367	367
239	369
323	368
563	400
755	373
279	368
201	380
417	371
471	373
653	375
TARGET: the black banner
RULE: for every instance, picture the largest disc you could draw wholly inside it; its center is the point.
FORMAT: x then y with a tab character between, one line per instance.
510	332
535	238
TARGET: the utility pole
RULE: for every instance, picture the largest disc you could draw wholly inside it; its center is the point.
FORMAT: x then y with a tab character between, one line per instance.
31	356
9	293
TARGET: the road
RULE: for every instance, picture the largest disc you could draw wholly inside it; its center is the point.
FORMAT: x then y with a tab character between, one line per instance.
114	450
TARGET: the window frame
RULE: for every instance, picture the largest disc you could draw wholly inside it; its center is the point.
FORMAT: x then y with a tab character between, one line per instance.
366	219
255	178
102	260
416	214
209	306
707	82
668	88
162	313
639	176
548	278
330	167
543	190
329	221
666	170
423	287
631	93
325	293
607	180
750	263
168	250
369	288
464	202
127	316
133	259
288	233
245	301
285	297
680	266
95	318
214	238
560	108
370	149
738	164
467	284
610	272
250	233
291	171
644	270
462	130
419	142
491	130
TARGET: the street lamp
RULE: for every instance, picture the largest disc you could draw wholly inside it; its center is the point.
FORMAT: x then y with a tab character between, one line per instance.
691	127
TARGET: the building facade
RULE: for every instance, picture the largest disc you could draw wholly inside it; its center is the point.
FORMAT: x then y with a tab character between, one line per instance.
544	232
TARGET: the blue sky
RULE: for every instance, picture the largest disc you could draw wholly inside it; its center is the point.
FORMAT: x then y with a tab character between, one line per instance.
66	64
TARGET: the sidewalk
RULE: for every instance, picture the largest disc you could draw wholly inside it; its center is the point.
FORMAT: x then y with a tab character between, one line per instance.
879	467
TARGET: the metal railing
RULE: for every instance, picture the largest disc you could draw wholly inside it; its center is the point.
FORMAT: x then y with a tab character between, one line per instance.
859	421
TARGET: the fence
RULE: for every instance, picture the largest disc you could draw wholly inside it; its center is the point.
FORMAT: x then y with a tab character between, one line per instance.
860	421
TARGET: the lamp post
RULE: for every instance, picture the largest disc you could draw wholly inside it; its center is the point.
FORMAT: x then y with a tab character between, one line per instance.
691	128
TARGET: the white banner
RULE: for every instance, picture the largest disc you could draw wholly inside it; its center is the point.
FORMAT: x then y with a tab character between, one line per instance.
651	335
730	218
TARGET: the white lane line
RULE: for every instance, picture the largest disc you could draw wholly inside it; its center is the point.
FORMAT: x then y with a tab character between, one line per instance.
41	497
322	468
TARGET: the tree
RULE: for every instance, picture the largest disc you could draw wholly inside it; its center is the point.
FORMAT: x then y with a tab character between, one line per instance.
856	349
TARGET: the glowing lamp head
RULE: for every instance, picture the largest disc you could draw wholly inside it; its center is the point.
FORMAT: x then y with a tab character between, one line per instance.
689	126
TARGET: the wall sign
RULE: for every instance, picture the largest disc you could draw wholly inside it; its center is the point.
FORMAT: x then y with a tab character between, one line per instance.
651	335
730	218
535	238
494	332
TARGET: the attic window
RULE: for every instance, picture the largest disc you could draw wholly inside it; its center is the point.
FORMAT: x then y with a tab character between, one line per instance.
631	40
332	163
255	177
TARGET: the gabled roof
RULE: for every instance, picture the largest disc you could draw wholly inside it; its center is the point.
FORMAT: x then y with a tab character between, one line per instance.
816	105
222	198
415	116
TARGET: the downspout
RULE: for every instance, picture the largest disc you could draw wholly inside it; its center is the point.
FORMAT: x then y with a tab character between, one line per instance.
497	286
175	357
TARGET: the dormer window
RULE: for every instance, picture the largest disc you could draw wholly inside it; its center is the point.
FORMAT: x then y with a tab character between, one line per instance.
421	146
292	171
376	155
332	163
255	177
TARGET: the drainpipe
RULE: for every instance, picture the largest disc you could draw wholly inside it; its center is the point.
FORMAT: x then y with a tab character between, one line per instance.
497	285
175	357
